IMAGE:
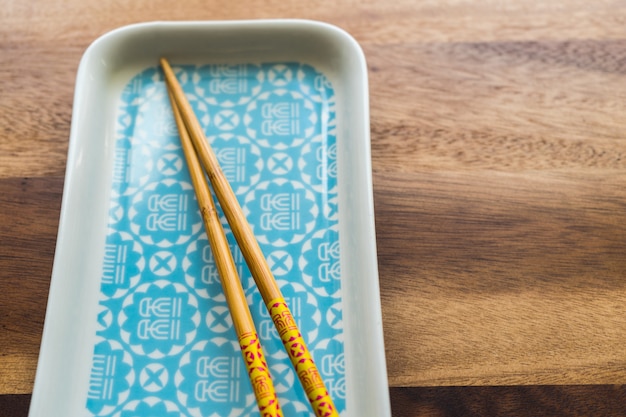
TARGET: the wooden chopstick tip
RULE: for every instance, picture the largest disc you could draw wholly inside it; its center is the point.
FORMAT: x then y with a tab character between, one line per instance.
167	69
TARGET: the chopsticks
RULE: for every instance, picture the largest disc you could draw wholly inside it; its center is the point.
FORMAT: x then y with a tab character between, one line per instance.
279	311
251	350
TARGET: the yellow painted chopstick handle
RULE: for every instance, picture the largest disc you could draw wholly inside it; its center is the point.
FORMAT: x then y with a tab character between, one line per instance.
301	359
259	375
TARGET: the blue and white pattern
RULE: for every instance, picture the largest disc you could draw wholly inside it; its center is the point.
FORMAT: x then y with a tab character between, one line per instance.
165	343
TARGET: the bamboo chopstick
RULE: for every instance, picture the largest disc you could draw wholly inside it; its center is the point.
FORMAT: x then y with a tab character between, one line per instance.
279	311
249	342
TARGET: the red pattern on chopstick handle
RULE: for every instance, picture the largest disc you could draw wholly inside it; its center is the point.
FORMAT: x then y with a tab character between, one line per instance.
259	375
301	359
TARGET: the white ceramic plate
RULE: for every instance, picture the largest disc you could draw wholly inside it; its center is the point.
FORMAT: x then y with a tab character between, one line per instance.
287	100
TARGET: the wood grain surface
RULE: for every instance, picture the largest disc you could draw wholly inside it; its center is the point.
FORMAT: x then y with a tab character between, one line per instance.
517	401
499	166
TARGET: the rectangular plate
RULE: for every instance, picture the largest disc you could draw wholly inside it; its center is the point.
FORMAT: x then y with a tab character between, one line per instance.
136	321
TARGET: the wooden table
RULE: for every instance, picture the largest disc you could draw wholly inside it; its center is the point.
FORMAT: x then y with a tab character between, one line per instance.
499	163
